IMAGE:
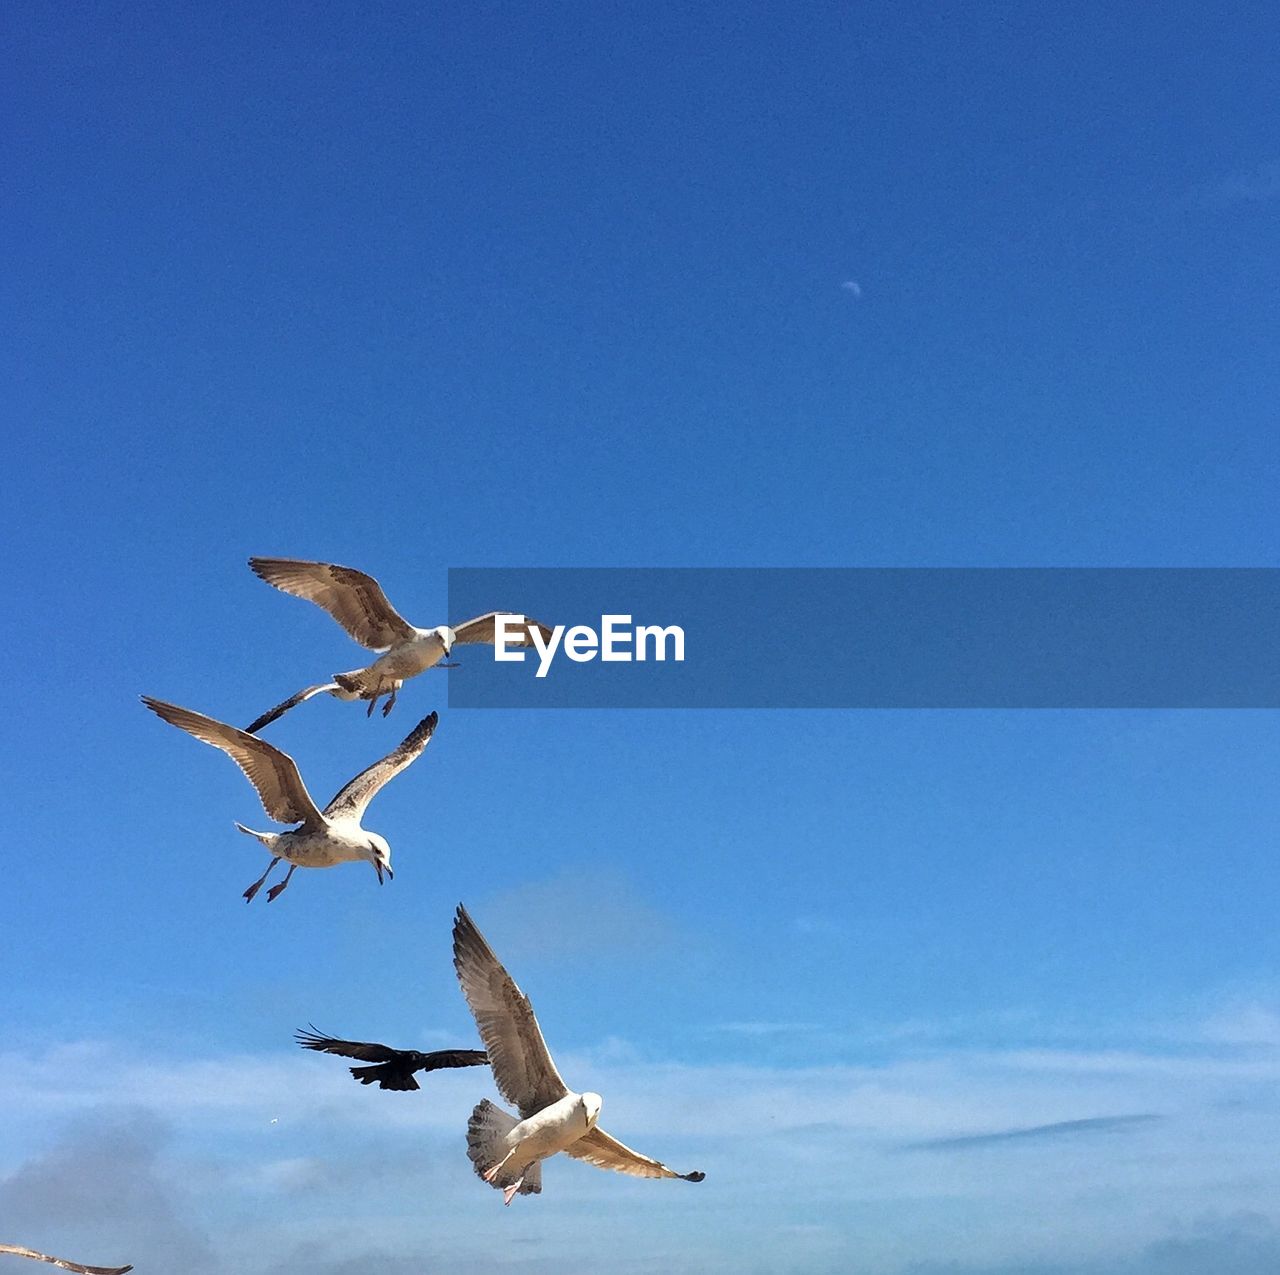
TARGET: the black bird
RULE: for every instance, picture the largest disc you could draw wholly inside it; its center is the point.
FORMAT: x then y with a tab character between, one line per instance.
395	1067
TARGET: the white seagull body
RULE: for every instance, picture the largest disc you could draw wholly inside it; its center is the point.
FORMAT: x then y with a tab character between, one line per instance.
323	838
357	602
506	1152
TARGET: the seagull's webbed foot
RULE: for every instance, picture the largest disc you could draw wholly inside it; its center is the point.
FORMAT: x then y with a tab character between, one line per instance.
494	1169
372	701
509	1192
257	885
277	890
391	702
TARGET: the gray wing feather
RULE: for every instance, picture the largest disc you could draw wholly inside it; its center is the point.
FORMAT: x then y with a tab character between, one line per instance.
522	1067
273	773
354	599
353	799
484	629
606	1152
285	705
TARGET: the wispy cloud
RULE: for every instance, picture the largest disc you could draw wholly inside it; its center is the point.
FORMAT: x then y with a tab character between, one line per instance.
765	1029
1036	1133
1243	1244
346	1172
1244	1024
852	287
103	1184
1254	185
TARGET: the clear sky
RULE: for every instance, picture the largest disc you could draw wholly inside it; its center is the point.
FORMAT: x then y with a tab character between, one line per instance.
411	287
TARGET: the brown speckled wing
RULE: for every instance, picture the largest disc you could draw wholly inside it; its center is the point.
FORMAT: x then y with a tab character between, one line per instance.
354	599
522	1067
352	800
484	628
273	773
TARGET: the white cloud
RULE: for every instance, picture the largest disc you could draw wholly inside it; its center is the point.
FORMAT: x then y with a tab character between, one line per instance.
1031	1149
104	1185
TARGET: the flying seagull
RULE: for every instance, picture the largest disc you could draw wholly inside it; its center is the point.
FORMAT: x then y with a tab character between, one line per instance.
16	1250
358	603
508	1153
324	837
395	1066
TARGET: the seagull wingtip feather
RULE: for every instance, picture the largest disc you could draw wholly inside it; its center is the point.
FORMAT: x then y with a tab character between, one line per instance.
161	708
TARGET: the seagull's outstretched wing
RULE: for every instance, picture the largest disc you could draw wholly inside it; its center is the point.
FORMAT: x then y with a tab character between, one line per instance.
396	1066
285	705
522	1067
16	1250
484	628
354	599
272	772
598	1148
351	801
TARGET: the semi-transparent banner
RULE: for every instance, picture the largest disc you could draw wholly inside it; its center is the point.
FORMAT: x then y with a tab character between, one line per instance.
872	638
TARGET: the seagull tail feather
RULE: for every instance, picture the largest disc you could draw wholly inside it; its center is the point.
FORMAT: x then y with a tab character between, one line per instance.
268	839
356	684
486	1146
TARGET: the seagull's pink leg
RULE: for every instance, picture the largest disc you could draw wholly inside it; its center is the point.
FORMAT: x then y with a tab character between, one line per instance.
277	890
492	1172
509	1192
257	885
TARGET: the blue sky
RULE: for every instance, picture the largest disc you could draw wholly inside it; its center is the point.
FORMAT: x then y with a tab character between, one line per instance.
479	286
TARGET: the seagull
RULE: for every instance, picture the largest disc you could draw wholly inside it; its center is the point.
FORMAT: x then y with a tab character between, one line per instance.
395	1066
324	837
506	1152
358	603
